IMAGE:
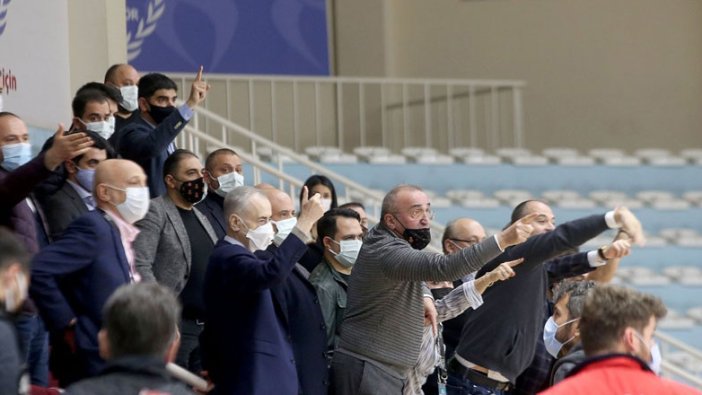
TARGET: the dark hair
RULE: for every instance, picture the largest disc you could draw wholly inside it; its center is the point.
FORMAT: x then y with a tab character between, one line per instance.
577	290
326	226
11	249
520	210
141	319
150	83
110	73
609	310
109	91
353	204
318	179
100	143
171	164
211	157
8	114
83	97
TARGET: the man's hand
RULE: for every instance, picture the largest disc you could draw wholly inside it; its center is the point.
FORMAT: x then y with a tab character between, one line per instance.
311	210
504	271
66	147
518	232
630	225
617	249
430	315
198	91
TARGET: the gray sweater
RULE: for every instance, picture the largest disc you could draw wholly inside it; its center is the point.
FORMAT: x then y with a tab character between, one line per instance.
385	315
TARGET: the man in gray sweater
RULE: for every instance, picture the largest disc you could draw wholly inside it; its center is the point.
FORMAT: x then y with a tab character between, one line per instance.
382	331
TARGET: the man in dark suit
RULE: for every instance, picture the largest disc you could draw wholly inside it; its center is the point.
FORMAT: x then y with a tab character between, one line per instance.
223	172
148	139
299	305
174	245
498	341
246	348
73	277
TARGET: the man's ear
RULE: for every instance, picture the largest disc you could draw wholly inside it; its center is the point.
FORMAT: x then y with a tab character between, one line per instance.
143	104
234	223
77	124
449	247
327	243
71	167
169	180
103	345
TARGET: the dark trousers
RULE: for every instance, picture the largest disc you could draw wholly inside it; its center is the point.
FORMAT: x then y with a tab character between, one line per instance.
34	342
189	352
458	385
353	376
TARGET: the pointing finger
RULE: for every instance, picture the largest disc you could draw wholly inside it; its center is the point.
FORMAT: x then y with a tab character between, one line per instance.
515	262
305	194
199	74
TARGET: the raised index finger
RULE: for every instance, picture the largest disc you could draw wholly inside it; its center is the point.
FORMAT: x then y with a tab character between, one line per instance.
199	74
305	194
530	218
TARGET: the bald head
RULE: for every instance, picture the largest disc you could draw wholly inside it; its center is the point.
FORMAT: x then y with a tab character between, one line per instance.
112	177
281	203
121	75
462	233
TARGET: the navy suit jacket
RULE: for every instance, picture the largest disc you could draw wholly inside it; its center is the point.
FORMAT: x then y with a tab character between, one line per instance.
246	347
61	208
74	276
303	318
148	146
213	208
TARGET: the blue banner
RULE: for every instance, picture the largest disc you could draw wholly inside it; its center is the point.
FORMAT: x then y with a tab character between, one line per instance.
229	36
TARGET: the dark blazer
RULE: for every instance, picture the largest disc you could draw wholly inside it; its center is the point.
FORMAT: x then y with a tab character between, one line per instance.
141	142
246	347
74	276
162	248
61	208
213	208
15	187
304	321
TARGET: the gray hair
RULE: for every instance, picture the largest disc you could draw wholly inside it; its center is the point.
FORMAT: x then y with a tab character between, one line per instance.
238	198
141	319
389	201
578	291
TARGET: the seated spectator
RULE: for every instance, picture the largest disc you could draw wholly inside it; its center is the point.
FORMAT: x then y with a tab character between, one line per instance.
341	235
223	172
148	139
562	330
73	277
174	245
616	330
245	344
139	336
14	280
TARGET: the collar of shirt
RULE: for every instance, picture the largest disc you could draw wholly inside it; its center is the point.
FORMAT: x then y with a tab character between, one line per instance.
234	241
127	231
82	193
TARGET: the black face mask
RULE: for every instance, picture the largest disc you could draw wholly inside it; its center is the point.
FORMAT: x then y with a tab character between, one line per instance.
193	191
418	238
160	113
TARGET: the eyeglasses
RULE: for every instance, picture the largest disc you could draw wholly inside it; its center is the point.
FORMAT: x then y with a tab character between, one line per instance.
418	212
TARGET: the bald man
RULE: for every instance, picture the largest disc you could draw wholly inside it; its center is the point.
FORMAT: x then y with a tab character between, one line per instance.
299	304
92	258
125	78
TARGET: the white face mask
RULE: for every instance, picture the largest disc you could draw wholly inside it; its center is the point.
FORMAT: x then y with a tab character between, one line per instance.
348	252
227	182
326	204
261	237
135	206
130	97
103	128
15	297
553	346
656	358
284	228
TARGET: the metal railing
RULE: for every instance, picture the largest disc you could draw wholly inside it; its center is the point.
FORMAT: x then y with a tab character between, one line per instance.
675	370
347	112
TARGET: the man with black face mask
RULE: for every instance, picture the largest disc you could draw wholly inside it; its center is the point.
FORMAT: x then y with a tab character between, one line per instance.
148	139
384	320
174	245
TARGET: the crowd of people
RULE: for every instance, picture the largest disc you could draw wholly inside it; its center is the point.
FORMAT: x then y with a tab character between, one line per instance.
121	254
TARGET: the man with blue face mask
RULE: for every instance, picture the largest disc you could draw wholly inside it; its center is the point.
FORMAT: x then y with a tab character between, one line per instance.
149	139
223	172
341	234
75	197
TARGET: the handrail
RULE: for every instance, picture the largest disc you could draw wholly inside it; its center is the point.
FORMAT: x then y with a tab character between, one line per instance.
680	372
666	338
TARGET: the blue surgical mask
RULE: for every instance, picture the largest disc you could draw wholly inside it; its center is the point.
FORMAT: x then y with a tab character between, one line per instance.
15	155
553	346
85	178
348	252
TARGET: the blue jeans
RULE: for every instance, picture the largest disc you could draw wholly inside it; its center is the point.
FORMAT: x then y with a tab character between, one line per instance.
458	385
34	342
